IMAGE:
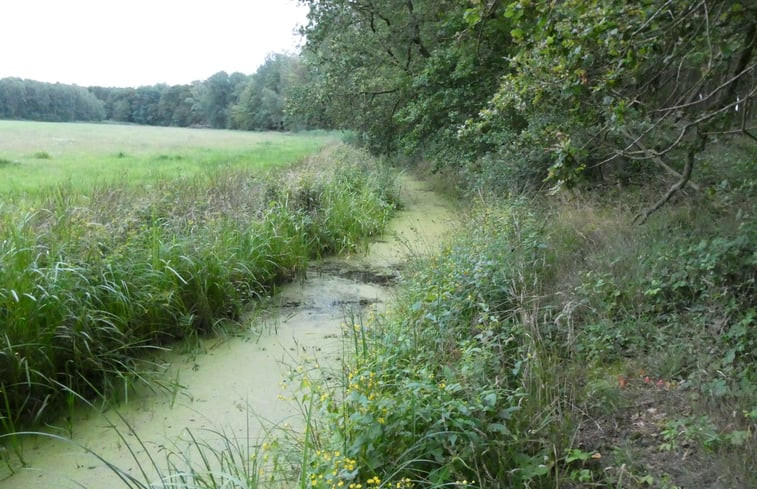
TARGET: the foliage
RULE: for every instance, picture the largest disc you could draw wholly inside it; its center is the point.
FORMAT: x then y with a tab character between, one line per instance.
223	101
706	282
158	105
214	96
604	83
494	363
29	99
260	105
633	292
443	390
512	93
363	57
203	103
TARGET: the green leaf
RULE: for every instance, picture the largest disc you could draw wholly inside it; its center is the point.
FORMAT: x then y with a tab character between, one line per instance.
647	479
511	10
576	454
472	16
490	399
498	428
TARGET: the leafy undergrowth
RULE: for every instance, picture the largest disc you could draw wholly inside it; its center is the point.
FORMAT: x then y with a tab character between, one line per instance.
89	282
557	345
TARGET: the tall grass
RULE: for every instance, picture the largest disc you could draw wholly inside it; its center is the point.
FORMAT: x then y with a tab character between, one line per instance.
501	358
511	356
448	389
90	281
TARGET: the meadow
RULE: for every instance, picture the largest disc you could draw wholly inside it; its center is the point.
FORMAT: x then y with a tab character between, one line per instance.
105	258
35	155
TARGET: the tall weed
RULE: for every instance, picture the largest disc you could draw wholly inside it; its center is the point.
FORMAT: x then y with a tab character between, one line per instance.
495	358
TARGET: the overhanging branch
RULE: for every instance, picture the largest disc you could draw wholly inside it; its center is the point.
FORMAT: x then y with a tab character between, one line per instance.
642	217
661	163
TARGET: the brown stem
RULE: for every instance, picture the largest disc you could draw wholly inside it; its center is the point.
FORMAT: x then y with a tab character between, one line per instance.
642	217
661	163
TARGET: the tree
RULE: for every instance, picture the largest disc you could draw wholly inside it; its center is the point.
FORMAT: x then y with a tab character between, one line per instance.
261	103
29	99
146	105
608	86
363	56
534	92
12	98
175	106
213	98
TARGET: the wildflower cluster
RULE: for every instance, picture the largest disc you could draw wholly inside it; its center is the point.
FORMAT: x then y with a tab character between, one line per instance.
267	460
362	383
334	470
364	398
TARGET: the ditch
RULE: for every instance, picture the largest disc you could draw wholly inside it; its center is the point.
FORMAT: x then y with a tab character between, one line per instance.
234	387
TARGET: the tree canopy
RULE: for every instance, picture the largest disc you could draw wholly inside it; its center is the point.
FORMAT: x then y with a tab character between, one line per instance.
261	103
524	91
223	101
52	102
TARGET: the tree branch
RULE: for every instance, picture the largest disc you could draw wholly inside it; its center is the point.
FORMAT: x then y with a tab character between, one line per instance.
642	217
661	163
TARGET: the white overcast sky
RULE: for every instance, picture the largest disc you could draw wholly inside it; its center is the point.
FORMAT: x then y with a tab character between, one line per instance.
142	42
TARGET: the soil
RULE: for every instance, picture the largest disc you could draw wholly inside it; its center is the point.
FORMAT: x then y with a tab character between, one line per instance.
233	385
640	445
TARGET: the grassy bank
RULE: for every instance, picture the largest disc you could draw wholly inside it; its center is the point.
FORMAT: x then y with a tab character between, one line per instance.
552	343
92	277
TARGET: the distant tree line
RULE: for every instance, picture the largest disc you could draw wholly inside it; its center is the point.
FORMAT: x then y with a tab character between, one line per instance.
54	102
223	101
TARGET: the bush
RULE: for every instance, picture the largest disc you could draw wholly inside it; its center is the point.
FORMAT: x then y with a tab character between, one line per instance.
501	346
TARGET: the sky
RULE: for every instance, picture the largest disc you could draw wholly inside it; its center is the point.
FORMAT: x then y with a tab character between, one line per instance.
130	43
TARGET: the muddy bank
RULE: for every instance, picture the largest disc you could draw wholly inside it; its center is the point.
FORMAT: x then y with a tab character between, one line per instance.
234	385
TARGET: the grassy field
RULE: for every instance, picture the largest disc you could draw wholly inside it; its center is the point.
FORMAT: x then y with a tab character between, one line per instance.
35	155
98	268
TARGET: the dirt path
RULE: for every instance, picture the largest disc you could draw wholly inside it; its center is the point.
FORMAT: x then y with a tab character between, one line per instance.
234	386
